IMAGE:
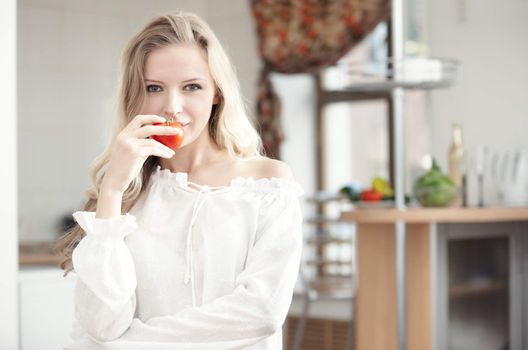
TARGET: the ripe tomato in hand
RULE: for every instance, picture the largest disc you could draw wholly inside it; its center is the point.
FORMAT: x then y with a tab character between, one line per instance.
172	141
371	196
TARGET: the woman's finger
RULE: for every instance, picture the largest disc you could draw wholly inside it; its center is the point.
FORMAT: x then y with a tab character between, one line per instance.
148	151
149	130
143	119
153	143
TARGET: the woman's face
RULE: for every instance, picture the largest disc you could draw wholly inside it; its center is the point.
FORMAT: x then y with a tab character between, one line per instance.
179	84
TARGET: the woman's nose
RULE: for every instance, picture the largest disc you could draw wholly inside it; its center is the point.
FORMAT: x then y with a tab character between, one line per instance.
174	104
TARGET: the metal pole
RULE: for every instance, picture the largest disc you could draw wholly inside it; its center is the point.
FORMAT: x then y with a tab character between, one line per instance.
399	168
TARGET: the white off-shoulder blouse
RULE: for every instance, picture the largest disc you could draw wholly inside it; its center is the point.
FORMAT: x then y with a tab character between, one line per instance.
190	267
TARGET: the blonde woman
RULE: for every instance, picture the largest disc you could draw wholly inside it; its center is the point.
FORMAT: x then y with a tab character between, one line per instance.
197	248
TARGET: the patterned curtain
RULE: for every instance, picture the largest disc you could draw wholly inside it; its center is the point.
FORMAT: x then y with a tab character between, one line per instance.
298	36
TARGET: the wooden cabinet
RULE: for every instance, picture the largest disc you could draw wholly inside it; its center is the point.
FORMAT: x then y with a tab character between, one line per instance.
480	284
464	266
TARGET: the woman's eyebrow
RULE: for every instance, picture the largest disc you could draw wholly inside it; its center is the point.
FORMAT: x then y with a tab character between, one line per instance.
185	81
194	79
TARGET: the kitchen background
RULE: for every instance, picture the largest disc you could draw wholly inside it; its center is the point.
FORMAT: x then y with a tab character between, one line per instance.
68	57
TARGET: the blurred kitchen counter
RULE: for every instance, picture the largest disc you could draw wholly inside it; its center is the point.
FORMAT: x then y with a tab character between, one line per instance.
376	316
37	253
439	215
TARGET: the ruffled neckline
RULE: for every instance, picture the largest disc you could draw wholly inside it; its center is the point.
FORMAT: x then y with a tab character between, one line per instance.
260	185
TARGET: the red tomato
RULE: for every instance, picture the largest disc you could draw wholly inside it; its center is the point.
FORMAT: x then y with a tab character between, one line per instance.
172	141
371	196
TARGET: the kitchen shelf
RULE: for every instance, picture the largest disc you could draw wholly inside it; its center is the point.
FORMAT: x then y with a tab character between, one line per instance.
328	262
410	73
323	220
376	80
383	86
336	286
326	240
324	197
476	289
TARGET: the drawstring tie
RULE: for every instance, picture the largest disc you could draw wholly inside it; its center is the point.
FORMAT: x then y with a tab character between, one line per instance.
189	270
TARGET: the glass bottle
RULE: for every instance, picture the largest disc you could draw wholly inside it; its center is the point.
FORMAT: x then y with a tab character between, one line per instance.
456	162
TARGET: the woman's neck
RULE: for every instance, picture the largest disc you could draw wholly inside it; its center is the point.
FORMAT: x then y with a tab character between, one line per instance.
201	153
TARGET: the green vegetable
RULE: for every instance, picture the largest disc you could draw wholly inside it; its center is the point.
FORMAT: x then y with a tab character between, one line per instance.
349	193
434	188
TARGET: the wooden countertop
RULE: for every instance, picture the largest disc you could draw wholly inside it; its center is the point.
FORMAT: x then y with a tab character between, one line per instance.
438	215
37	253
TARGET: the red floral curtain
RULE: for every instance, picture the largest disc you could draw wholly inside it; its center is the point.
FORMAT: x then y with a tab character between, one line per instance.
297	36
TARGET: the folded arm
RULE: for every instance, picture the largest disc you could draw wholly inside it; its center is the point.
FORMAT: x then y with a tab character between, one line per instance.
259	303
105	299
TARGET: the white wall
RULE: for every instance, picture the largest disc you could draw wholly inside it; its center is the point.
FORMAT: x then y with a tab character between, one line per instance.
490	98
232	22
297	95
68	68
8	179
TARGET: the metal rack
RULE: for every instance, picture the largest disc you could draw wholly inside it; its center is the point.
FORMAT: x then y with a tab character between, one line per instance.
389	84
316	276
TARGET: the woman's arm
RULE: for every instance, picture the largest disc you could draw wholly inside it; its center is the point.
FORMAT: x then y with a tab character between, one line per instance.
101	322
105	298
259	303
109	204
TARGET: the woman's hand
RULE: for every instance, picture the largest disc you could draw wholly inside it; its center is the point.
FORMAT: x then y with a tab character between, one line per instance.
131	149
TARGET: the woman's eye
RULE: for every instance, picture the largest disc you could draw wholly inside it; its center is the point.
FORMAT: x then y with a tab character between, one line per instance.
153	88
193	87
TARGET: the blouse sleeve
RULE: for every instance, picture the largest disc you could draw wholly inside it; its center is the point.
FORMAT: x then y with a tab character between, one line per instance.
105	299
259	303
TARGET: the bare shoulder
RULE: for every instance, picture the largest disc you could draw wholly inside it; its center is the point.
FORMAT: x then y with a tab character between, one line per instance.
268	168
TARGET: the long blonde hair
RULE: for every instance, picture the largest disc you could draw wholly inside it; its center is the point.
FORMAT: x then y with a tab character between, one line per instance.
229	124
